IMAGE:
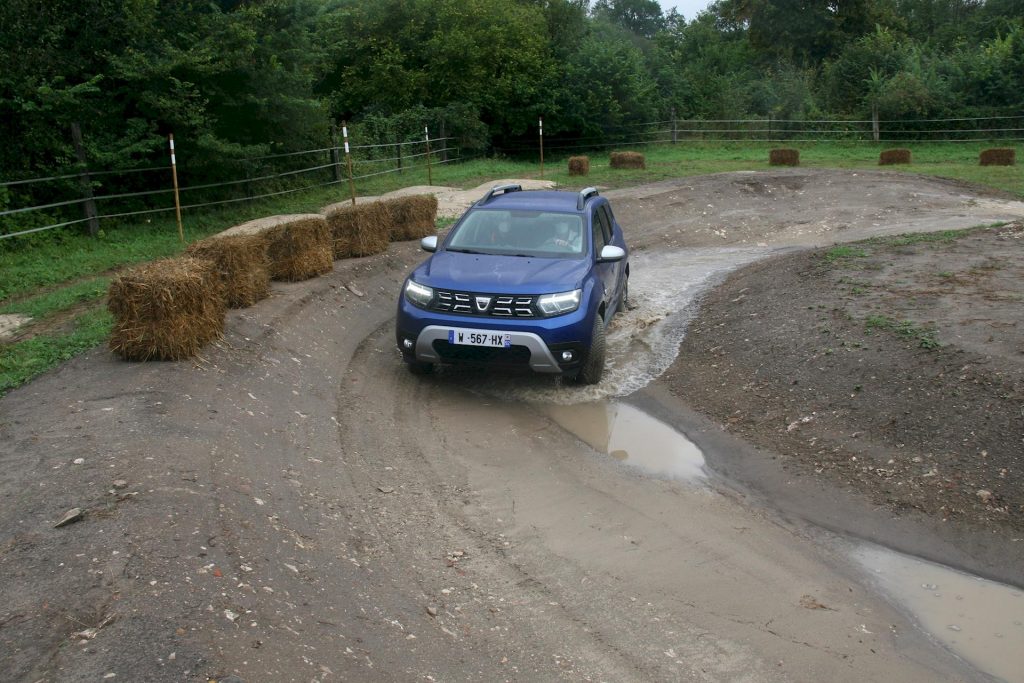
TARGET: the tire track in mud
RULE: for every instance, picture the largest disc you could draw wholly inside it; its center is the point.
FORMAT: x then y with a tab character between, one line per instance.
511	622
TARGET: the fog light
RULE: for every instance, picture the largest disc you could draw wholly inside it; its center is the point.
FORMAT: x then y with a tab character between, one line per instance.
407	344
566	356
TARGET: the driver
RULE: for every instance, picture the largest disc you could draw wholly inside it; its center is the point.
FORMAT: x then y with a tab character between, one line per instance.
566	236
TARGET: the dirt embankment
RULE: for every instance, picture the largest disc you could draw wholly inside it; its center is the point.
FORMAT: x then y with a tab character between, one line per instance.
893	367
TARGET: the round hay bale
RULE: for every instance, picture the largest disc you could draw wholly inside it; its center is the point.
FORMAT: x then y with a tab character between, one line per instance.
166	310
784	157
359	230
890	157
627	160
413	217
998	156
579	165
243	264
298	245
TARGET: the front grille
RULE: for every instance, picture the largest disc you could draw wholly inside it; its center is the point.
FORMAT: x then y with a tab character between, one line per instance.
514	355
486	305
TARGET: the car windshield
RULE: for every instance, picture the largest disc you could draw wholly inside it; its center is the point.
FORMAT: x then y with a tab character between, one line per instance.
542	234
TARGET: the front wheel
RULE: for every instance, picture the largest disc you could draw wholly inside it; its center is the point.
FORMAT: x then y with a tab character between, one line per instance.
593	365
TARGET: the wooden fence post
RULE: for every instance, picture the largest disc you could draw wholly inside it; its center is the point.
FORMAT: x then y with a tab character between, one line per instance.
540	130
675	130
89	204
444	143
426	136
348	162
335	157
398	146
177	198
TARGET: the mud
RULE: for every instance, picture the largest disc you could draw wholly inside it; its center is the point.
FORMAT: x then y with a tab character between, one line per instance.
298	507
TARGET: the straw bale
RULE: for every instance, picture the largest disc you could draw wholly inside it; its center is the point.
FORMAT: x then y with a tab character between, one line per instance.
628	160
998	156
242	263
889	157
579	165
359	230
784	157
412	217
166	310
299	245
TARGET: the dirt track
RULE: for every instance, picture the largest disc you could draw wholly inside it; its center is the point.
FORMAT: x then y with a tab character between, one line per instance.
300	508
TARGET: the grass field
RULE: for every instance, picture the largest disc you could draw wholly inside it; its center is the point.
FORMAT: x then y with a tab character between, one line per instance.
63	276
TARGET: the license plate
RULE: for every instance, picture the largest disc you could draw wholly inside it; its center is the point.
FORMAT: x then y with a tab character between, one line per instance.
469	337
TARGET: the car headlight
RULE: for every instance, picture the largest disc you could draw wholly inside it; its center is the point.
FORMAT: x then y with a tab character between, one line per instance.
557	304
417	294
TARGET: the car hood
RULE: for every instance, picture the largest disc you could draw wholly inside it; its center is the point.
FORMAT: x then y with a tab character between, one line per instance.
500	274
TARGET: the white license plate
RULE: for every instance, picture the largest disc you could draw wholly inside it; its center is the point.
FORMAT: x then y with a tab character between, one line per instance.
469	337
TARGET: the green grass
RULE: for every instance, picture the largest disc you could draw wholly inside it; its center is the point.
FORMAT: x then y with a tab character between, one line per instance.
47	303
844	251
21	361
924	336
53	272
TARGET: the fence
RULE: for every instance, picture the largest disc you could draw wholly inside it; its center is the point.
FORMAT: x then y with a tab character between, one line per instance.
975	129
361	162
265	177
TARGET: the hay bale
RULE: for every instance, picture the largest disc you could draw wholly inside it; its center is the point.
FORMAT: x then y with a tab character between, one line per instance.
890	157
579	165
412	217
359	230
998	156
298	245
166	310
784	157
628	160
242	263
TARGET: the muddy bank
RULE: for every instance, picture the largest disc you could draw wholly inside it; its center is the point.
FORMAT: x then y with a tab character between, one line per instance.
892	368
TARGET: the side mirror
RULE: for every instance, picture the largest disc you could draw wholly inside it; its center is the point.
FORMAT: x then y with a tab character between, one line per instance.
610	253
430	243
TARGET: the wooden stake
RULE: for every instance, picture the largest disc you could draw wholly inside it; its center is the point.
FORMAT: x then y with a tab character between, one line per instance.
540	127
426	136
88	204
177	198
348	162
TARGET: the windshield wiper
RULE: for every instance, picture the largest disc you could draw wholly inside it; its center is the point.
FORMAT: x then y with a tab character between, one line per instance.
466	251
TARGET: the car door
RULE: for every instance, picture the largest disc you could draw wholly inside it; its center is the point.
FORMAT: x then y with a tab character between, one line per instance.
616	238
601	235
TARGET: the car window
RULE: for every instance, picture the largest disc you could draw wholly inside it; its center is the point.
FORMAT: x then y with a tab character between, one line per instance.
598	231
609	220
543	234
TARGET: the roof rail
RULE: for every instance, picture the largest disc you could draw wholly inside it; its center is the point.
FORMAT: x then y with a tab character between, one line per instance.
499	189
585	194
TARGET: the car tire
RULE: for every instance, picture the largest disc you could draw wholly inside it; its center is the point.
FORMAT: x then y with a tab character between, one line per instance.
419	368
593	366
624	297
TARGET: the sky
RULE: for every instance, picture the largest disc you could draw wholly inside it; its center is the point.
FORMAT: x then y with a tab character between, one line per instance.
688	8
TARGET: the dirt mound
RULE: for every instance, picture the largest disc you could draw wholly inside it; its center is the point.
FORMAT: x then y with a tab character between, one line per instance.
893	366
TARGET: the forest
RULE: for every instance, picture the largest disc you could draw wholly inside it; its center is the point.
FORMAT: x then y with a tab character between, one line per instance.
237	79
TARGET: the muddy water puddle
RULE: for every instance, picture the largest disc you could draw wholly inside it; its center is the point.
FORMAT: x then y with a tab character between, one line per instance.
632	437
981	621
643	341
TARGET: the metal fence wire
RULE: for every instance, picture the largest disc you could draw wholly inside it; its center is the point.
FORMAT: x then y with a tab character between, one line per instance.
144	191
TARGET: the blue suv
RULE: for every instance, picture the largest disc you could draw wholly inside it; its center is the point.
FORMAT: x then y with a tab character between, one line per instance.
523	279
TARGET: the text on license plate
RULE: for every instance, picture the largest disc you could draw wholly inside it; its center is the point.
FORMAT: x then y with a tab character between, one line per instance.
468	337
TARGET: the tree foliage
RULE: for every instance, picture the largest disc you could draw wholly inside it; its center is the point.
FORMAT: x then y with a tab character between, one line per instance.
235	79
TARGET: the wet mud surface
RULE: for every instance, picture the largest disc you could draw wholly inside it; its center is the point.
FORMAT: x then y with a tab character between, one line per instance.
295	506
894	369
